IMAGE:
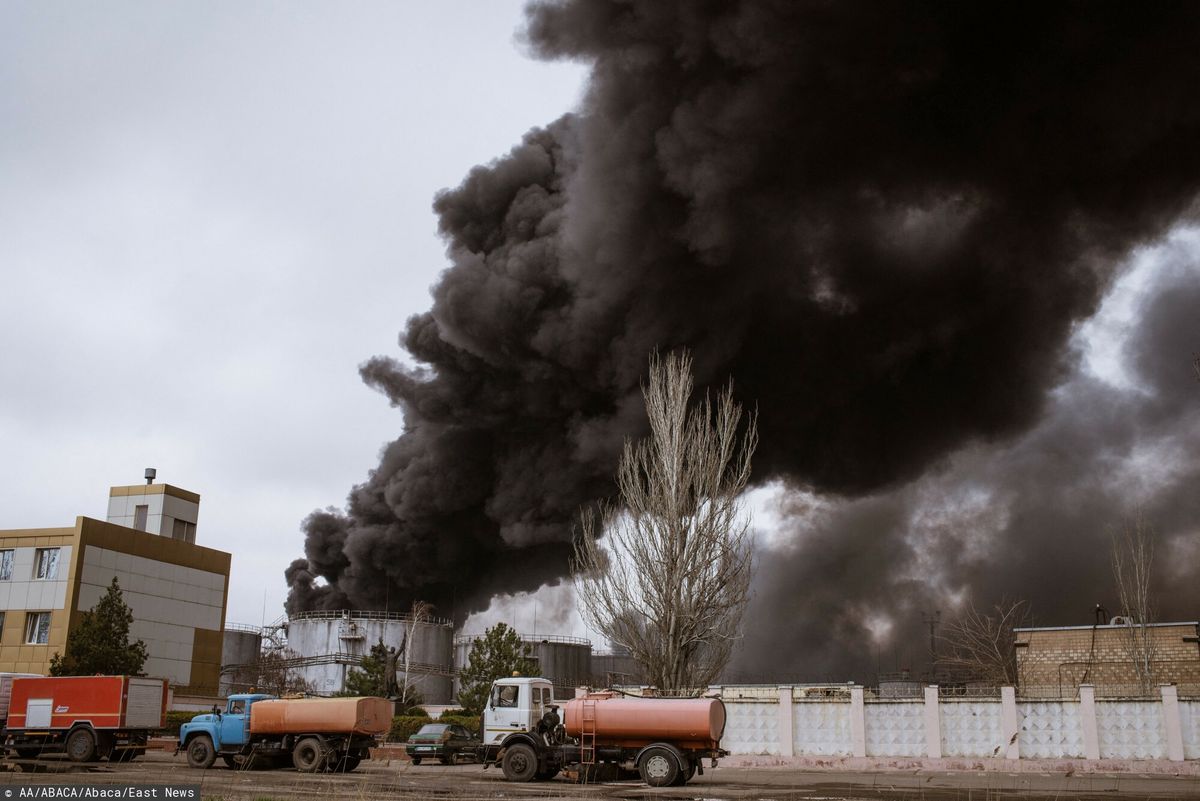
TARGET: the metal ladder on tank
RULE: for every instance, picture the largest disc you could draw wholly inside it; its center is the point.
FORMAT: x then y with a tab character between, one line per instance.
587	733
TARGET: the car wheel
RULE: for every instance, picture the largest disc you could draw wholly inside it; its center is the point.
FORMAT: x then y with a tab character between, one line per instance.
81	746
520	763
416	760
308	755
200	753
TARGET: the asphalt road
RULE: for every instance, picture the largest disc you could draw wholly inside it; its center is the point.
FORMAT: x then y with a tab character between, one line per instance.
400	780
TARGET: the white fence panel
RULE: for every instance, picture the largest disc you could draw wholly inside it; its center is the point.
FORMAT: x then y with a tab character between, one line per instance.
1050	729
1189	719
895	728
1131	730
822	728
751	727
971	728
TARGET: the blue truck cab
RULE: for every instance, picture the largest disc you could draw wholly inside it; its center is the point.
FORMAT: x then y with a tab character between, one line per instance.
220	733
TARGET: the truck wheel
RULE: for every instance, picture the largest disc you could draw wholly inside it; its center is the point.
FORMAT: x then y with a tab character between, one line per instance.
686	775
520	763
308	756
344	765
200	753
229	761
81	746
658	767
546	775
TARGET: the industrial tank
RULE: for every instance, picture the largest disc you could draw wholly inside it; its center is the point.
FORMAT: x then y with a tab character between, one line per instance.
241	646
565	661
700	721
327	645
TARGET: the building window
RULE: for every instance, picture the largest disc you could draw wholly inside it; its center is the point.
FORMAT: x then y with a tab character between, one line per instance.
6	563
183	530
140	514
37	628
46	563
1	626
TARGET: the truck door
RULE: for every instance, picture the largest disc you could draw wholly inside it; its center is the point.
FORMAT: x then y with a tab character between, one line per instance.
507	711
233	723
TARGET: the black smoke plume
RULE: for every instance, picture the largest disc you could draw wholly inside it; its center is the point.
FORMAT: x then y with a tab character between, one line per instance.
882	221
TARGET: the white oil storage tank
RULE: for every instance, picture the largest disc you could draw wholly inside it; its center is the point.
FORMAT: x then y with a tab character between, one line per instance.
325	646
565	661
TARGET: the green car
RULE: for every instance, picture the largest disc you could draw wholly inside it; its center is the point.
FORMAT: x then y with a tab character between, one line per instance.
446	742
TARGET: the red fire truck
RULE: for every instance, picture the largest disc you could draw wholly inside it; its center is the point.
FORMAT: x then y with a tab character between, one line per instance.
88	717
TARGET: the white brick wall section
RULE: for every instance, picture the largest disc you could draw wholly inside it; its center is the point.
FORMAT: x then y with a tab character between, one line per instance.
1008	723
858	722
1087	720
1171	722
933	723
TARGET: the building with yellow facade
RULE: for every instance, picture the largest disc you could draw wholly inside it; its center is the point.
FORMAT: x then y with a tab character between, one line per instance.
176	590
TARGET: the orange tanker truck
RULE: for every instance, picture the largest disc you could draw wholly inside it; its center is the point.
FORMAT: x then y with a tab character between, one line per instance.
600	734
314	734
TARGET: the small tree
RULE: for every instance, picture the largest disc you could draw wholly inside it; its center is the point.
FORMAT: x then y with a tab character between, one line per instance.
498	653
672	578
1132	562
276	672
100	643
981	646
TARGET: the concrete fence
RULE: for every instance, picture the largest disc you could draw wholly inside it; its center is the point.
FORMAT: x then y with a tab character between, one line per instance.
936	727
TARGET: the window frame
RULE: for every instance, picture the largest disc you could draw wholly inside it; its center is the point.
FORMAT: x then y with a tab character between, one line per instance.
32	631
52	566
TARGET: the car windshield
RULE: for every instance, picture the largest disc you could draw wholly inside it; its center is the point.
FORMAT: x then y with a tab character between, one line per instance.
433	728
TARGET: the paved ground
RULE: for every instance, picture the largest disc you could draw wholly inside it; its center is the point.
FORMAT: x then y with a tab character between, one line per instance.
400	780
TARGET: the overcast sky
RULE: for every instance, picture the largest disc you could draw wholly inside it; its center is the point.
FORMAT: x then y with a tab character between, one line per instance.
210	215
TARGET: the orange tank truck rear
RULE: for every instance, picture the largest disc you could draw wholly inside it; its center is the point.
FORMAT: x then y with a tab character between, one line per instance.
696	722
367	716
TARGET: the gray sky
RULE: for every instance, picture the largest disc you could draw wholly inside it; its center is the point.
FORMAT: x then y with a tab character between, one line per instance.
210	214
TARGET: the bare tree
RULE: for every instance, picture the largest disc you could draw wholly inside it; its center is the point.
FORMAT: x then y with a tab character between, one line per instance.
1132	563
981	645
671	576
420	613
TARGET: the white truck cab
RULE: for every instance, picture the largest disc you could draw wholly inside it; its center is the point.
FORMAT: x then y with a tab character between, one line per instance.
515	705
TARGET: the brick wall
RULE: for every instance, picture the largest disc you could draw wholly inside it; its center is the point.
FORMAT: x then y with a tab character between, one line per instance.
1054	661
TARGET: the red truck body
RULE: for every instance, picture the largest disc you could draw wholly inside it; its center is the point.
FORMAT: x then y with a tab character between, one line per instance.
89	716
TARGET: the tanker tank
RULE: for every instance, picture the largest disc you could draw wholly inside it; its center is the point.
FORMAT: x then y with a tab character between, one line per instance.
327	645
695	722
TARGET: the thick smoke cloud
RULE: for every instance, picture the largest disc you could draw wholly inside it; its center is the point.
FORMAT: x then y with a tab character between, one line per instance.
883	222
1029	519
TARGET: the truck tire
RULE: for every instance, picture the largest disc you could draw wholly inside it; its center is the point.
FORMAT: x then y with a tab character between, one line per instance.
81	746
520	763
309	755
200	753
546	775
658	766
343	765
686	774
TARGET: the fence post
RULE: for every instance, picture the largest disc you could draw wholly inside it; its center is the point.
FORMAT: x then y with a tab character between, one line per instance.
786	746
858	722
933	723
1087	721
1172	723
1008	723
